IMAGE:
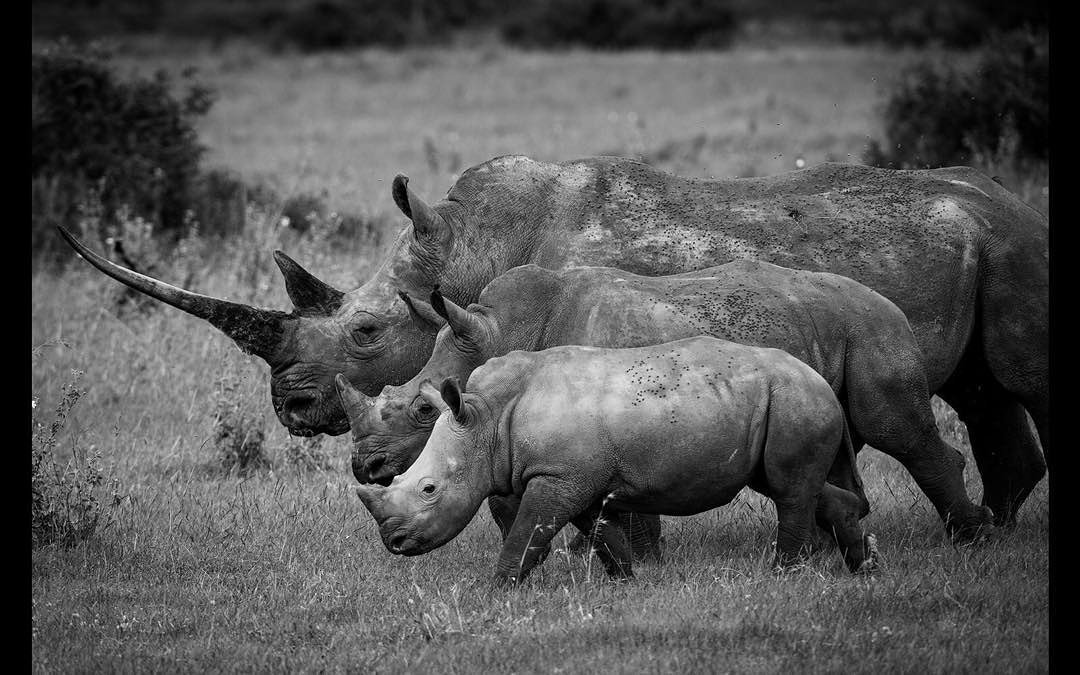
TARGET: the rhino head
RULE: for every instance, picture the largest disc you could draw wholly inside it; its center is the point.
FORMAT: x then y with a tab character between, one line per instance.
390	430
433	501
369	334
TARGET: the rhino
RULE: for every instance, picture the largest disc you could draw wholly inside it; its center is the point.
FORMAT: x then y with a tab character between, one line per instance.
576	432
963	258
855	338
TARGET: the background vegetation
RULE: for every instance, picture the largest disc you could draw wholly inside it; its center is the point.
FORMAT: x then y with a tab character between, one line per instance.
176	524
334	24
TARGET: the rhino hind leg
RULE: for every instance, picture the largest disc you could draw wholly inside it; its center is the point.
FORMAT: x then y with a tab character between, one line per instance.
888	402
1005	449
838	512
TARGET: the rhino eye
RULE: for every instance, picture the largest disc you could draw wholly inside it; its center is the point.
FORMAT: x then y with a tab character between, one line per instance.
365	333
425	411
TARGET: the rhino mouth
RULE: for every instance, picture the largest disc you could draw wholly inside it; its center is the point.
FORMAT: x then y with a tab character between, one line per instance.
402	543
307	432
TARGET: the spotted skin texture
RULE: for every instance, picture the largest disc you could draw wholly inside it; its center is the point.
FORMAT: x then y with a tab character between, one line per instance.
677	429
855	338
964	259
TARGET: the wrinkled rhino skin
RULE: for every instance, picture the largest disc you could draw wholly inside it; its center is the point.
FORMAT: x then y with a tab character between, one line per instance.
580	432
858	340
965	260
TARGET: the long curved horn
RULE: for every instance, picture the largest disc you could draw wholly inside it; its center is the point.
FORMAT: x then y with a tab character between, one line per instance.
462	322
310	295
256	331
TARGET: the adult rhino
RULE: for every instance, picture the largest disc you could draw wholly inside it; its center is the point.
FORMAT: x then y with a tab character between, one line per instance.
966	260
856	339
576	433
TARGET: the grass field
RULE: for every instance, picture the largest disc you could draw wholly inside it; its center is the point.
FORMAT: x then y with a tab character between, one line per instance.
282	569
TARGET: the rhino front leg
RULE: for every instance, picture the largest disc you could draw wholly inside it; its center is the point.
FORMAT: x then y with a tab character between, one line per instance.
503	511
546	507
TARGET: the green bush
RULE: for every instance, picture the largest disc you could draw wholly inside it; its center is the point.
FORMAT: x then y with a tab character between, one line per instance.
941	114
619	24
99	140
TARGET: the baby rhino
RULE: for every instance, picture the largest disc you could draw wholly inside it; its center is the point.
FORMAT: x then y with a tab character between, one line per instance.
580	432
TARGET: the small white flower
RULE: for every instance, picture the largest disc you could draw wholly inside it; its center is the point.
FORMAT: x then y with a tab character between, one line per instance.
33	403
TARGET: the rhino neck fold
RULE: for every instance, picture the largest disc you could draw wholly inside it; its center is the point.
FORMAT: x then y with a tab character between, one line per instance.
501	466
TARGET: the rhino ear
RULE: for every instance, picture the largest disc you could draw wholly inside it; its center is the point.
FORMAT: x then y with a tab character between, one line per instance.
426	221
421	312
451	394
309	295
463	322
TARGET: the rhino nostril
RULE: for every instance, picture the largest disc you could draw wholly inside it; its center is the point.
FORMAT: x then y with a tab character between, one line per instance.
374	463
295	403
396	542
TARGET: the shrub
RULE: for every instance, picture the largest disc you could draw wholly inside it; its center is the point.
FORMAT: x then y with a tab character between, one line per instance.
239	440
65	499
98	139
617	24
941	114
307	454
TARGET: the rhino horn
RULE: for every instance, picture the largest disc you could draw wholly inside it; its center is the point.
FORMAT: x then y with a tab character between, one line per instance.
462	322
256	331
310	296
421	312
426	221
372	495
355	402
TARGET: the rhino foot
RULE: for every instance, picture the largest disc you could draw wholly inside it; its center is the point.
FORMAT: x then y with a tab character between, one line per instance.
977	530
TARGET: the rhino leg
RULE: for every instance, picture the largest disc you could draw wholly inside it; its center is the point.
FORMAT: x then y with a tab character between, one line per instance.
643	533
838	512
608	541
889	405
503	511
546	507
1014	336
1005	449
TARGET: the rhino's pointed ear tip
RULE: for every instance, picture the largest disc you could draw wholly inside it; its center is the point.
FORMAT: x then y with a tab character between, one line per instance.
401	179
341	382
283	261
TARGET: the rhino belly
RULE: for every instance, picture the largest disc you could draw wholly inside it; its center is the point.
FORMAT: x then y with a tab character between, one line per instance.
688	456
